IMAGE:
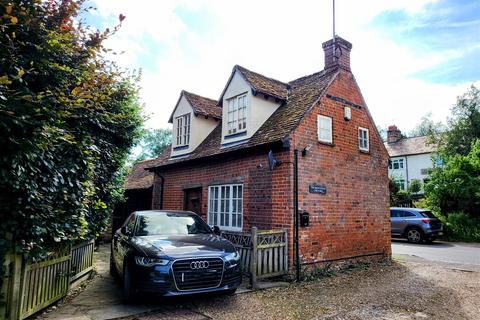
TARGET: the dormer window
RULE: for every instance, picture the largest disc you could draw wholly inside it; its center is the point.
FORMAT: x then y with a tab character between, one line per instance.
237	114
183	130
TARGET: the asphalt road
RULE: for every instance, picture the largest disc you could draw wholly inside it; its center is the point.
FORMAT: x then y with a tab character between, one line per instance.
465	255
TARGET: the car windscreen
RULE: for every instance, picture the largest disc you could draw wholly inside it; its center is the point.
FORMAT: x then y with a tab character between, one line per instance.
170	224
427	214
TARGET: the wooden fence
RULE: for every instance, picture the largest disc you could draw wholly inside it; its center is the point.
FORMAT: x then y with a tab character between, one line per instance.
30	287
263	252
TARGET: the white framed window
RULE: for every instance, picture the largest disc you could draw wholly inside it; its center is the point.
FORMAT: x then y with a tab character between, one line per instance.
395	164
324	128
183	130
225	206
363	139
237	114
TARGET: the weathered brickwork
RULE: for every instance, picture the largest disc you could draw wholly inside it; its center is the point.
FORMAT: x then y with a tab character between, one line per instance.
352	218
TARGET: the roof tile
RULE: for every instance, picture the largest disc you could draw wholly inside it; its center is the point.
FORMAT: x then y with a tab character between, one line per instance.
410	146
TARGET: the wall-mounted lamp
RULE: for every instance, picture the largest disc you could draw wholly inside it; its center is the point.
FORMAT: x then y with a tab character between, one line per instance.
306	149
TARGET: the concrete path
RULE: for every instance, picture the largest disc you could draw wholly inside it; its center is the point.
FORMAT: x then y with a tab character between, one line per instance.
462	255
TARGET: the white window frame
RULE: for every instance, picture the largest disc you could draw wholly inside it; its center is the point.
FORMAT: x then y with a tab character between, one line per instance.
237	114
232	207
398	162
363	140
324	129
183	125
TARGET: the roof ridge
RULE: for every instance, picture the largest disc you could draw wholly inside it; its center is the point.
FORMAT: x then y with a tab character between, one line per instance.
323	72
262	75
197	95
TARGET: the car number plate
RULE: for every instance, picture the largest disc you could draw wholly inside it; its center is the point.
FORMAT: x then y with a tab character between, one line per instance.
440	233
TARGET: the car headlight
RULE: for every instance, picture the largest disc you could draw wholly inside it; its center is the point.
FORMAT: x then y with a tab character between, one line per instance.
148	262
233	257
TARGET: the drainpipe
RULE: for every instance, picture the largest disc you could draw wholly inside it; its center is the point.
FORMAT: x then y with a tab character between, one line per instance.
162	184
295	212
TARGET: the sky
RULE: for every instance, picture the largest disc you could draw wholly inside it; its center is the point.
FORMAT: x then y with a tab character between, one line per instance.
410	57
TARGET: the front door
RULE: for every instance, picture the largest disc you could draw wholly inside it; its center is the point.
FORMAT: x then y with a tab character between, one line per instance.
193	200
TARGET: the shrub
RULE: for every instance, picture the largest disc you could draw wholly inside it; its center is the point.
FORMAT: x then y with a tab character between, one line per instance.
460	226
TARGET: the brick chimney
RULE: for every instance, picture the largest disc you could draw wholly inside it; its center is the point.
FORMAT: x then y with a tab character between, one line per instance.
393	134
337	54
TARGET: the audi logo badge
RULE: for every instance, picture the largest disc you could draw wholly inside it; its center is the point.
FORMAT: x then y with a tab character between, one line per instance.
199	265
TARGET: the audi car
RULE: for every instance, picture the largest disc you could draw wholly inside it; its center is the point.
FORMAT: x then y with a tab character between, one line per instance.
172	253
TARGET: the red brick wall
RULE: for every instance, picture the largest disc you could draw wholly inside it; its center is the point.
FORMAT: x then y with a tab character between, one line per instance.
352	218
266	194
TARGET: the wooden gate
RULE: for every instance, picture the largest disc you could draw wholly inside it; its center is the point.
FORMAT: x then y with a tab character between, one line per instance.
263	252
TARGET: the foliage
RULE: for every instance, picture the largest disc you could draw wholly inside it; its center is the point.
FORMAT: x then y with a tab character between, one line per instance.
68	118
460	226
427	127
153	142
464	125
455	186
414	186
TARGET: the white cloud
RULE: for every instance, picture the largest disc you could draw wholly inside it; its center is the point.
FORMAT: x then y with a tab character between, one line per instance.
279	39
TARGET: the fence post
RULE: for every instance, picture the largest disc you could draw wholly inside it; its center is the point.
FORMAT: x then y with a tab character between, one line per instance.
15	300
253	259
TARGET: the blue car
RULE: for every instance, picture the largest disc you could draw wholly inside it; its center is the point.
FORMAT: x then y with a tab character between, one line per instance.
172	253
416	225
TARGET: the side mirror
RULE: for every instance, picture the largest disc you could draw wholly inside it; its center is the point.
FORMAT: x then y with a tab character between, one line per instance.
216	230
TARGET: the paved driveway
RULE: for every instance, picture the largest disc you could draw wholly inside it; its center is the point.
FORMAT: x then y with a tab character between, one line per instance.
464	255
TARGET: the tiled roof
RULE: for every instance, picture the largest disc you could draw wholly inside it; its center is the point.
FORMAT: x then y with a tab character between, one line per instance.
410	146
204	106
263	84
304	93
139	178
200	105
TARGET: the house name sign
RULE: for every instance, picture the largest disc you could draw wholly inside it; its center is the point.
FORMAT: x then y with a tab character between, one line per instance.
317	188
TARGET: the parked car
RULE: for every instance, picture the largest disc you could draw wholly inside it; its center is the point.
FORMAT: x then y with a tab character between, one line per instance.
172	253
416	225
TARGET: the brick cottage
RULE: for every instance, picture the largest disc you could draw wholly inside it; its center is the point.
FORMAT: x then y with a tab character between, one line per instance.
217	165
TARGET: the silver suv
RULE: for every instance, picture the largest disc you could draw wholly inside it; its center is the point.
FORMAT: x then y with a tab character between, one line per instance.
416	225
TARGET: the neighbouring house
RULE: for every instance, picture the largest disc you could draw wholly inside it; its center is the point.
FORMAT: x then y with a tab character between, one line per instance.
410	158
217	165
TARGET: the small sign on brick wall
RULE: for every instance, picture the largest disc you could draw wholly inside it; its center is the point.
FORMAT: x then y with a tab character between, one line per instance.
317	188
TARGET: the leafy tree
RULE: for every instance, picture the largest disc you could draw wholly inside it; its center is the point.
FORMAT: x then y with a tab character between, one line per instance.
464	125
153	142
414	186
427	127
68	119
455	186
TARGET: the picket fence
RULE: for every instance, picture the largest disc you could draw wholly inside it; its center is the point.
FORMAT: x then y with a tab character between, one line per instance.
29	287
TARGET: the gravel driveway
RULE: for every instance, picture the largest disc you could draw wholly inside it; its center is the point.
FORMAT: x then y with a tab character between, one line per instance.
401	290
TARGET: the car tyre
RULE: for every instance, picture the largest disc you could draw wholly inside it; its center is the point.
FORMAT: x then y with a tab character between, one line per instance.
128	290
414	235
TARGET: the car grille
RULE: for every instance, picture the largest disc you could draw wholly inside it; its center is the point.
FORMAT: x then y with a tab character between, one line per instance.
198	277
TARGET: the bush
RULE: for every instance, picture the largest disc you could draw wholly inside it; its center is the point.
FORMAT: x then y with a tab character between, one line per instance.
460	226
68	119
